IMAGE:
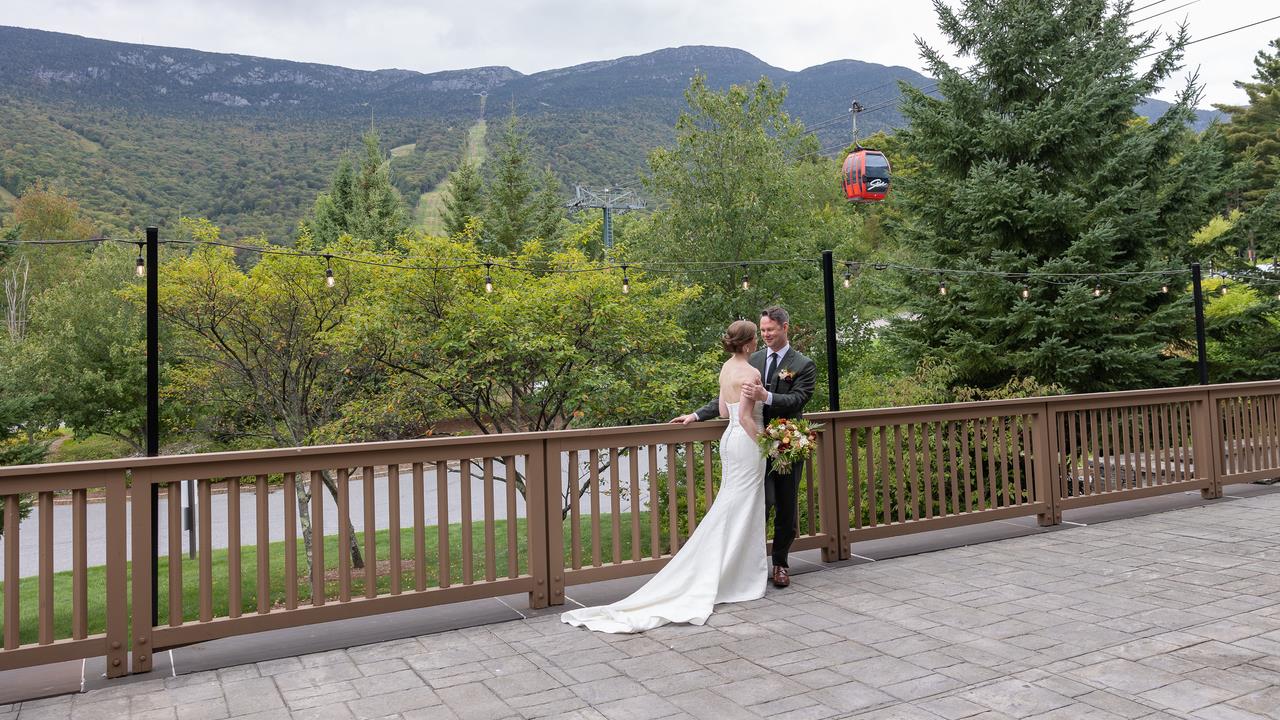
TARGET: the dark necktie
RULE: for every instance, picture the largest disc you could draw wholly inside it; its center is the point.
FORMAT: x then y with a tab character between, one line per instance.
773	369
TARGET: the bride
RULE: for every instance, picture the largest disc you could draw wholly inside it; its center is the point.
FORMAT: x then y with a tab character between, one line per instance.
724	560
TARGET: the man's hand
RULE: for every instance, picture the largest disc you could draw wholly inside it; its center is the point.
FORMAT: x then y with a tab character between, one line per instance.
685	419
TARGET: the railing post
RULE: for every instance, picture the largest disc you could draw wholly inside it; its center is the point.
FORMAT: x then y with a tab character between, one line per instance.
141	554
117	600
535	483
1045	464
555	523
1207	445
833	510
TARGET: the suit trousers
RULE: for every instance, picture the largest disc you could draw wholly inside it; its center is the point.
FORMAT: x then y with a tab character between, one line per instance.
780	495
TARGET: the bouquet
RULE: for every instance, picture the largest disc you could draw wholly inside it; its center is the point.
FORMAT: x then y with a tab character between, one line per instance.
787	442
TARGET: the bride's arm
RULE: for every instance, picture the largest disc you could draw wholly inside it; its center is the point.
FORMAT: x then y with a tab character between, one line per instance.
746	411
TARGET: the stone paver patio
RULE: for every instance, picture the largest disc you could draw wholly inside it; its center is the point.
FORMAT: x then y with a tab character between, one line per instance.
1169	615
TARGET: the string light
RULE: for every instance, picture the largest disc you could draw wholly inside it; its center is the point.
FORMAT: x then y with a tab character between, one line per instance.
746	280
942	287
141	268
626	281
848	275
1164	288
1025	292
1222	290
328	271
488	279
1097	288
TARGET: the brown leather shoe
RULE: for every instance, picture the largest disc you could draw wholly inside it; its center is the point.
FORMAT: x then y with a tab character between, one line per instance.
781	578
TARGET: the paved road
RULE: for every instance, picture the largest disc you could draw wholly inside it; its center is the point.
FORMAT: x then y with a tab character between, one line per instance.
96	515
1171	615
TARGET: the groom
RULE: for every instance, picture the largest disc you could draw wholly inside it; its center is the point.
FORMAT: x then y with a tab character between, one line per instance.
789	378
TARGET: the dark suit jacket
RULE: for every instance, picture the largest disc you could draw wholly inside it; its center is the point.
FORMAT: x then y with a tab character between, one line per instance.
789	394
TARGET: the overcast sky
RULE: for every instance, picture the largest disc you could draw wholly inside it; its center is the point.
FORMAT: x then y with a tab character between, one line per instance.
533	35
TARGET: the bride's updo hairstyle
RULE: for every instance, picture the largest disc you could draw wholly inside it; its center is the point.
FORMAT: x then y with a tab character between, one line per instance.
738	336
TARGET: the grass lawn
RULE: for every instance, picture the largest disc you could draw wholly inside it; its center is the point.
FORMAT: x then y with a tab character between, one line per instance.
29	588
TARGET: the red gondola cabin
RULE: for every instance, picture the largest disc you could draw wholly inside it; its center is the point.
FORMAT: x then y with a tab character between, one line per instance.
865	176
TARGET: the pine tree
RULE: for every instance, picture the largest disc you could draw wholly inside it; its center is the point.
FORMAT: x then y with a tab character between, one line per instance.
361	202
548	210
464	199
1254	130
509	215
1034	162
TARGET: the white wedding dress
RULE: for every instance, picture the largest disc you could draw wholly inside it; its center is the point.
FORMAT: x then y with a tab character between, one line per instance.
723	561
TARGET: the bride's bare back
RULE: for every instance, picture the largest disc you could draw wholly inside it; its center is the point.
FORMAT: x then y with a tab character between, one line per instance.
734	375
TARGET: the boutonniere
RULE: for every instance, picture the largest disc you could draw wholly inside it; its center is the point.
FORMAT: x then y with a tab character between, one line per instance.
787	375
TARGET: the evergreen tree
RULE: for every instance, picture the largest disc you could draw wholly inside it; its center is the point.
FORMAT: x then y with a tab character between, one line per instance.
509	215
464	199
1034	162
1254	130
361	202
548	210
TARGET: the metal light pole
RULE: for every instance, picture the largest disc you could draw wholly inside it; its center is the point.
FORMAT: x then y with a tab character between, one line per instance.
153	406
829	310
1202	362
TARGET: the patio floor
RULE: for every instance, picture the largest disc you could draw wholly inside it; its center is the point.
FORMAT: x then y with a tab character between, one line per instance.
1172	614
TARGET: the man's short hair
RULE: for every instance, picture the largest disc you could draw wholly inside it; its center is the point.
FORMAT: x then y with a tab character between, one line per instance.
777	314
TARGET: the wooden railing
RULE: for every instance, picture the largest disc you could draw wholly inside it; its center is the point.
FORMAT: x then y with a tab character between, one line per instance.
445	520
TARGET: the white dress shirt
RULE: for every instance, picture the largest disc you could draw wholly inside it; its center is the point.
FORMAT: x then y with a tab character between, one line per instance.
768	400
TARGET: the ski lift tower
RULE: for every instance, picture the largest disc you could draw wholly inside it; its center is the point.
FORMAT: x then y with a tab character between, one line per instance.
608	200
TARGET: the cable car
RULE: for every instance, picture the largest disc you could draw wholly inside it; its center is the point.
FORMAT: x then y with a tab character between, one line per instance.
865	176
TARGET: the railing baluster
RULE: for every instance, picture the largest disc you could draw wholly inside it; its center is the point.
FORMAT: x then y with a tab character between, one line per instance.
1004	436
1111	451
690	489
420	529
464	498
370	536
344	535
1098	481
993	493
443	566
634	452
173	507
234	575
490	552
572	474
513	530
290	541
316	487
45	501
965	458
204	486
263	519
393	526
673	513
1023	472
12	576
900	495
615	504
80	564
940	474
979	442
593	473
954	509
914	471
655	525
856	472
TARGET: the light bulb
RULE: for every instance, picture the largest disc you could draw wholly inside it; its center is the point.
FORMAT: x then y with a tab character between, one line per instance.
1025	292
141	269
328	277
942	288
